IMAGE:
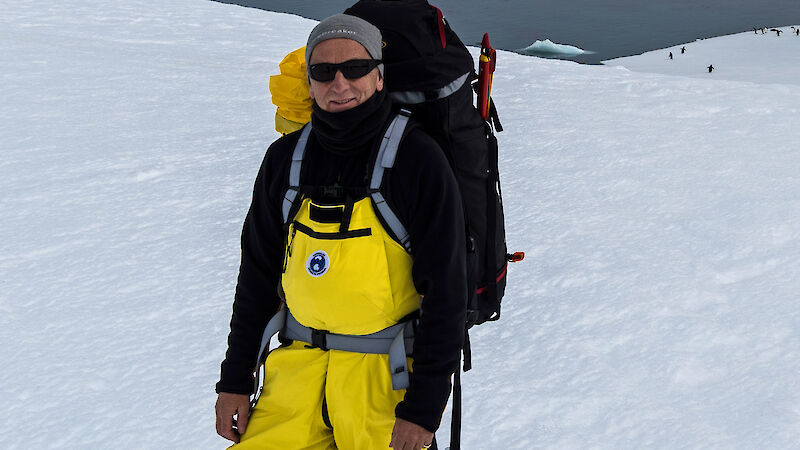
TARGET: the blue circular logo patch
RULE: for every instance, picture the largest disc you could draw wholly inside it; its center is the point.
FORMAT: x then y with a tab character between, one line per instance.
318	263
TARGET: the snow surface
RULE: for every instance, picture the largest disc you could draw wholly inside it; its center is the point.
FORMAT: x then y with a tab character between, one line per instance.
748	56
548	47
656	308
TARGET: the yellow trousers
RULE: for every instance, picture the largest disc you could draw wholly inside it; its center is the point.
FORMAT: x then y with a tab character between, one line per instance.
315	400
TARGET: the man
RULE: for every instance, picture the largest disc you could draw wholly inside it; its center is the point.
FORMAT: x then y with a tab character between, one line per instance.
348	275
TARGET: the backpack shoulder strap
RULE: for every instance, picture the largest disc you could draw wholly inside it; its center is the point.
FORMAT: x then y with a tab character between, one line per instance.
385	160
294	172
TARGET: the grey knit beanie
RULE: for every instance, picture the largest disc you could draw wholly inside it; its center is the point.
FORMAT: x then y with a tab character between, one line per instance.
347	27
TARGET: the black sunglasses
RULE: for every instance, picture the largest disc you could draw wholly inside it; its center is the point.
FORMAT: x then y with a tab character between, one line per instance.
352	69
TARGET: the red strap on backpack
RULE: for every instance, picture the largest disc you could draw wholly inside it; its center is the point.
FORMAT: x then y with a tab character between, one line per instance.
440	22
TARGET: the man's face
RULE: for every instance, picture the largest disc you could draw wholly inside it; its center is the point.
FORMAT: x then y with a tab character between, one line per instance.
341	94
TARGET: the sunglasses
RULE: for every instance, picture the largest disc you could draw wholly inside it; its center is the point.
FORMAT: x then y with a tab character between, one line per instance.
352	69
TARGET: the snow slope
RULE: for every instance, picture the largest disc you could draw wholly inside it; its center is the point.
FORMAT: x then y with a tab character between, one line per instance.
660	216
747	56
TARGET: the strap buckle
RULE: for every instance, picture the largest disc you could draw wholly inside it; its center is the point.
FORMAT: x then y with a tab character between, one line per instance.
319	339
332	191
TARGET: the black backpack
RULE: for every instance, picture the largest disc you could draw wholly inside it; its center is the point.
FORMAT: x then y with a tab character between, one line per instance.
430	72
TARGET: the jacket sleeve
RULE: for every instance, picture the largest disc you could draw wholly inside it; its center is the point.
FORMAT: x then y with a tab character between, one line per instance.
256	298
427	197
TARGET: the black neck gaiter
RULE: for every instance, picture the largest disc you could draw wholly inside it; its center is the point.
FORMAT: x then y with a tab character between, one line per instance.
354	130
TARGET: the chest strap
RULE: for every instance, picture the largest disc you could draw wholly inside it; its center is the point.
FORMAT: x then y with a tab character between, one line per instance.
393	341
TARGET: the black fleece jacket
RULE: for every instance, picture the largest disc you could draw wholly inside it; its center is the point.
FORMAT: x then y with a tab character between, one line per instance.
422	191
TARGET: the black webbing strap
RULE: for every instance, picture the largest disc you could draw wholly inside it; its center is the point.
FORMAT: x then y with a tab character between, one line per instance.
491	217
494	118
455	418
347	214
467	350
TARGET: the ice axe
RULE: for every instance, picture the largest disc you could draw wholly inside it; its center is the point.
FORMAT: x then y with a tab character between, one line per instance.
486	66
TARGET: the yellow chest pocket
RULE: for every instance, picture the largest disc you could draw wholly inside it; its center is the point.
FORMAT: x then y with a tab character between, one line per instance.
343	272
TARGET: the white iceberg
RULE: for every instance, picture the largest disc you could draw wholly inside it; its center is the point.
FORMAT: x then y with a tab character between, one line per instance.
550	48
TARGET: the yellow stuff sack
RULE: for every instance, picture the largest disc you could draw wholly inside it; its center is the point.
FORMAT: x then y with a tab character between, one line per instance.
289	91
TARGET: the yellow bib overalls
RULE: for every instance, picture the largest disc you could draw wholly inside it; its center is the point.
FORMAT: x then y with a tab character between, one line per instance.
344	273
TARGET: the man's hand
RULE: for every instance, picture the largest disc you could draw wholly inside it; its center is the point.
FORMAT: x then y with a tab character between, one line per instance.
409	436
227	405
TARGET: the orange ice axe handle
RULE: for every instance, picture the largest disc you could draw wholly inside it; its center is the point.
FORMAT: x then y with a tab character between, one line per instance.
486	67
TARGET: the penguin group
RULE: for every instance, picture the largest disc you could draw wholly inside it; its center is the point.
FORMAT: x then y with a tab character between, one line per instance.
683	50
763	30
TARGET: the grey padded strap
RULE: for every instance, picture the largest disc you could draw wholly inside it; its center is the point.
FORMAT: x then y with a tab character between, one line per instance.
392	341
397	362
275	325
297	156
376	343
387	153
416	97
392	220
388	149
294	172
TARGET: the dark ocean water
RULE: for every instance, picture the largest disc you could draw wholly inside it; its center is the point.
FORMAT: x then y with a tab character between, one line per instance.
608	28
